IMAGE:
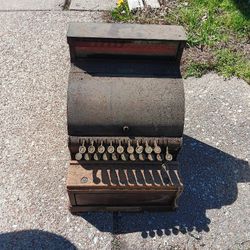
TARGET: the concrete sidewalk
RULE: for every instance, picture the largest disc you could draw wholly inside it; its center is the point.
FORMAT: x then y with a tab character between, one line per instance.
14	5
57	5
214	209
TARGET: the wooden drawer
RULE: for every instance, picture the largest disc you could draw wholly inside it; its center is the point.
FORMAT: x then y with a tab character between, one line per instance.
85	192
124	198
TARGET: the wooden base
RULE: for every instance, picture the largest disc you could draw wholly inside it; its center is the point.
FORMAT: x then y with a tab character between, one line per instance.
80	209
123	187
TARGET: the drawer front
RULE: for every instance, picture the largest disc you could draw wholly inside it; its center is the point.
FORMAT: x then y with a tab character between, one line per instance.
117	199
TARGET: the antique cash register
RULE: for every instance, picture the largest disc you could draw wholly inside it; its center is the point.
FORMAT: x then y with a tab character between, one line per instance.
125	116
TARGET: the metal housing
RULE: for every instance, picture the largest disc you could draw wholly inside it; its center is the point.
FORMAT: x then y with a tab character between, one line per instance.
125	95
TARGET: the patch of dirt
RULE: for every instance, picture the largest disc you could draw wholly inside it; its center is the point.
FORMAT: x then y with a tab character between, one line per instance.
201	54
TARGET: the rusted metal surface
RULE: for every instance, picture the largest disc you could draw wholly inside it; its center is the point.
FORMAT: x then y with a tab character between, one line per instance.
143	93
124	187
125	39
102	106
125	116
125	176
123	31
125	48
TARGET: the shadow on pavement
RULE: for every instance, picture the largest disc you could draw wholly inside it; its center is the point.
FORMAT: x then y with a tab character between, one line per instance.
210	182
33	239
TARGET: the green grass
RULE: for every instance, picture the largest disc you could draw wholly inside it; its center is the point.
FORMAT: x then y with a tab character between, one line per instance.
229	63
197	69
225	62
209	22
217	26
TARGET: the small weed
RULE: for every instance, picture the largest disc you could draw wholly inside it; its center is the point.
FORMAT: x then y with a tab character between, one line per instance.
197	69
229	63
121	13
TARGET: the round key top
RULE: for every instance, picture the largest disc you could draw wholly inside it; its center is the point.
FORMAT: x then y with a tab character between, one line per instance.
101	149
96	157
124	157
130	149
168	156
105	157
78	156
111	148
151	157
91	148
114	157
159	157
120	148
132	157
142	157
139	148
148	149
82	149
157	149
87	157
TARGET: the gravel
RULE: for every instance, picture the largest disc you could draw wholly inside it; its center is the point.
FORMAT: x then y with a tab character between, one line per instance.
214	209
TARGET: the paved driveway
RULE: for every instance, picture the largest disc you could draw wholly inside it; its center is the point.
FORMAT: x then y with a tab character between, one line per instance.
214	209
